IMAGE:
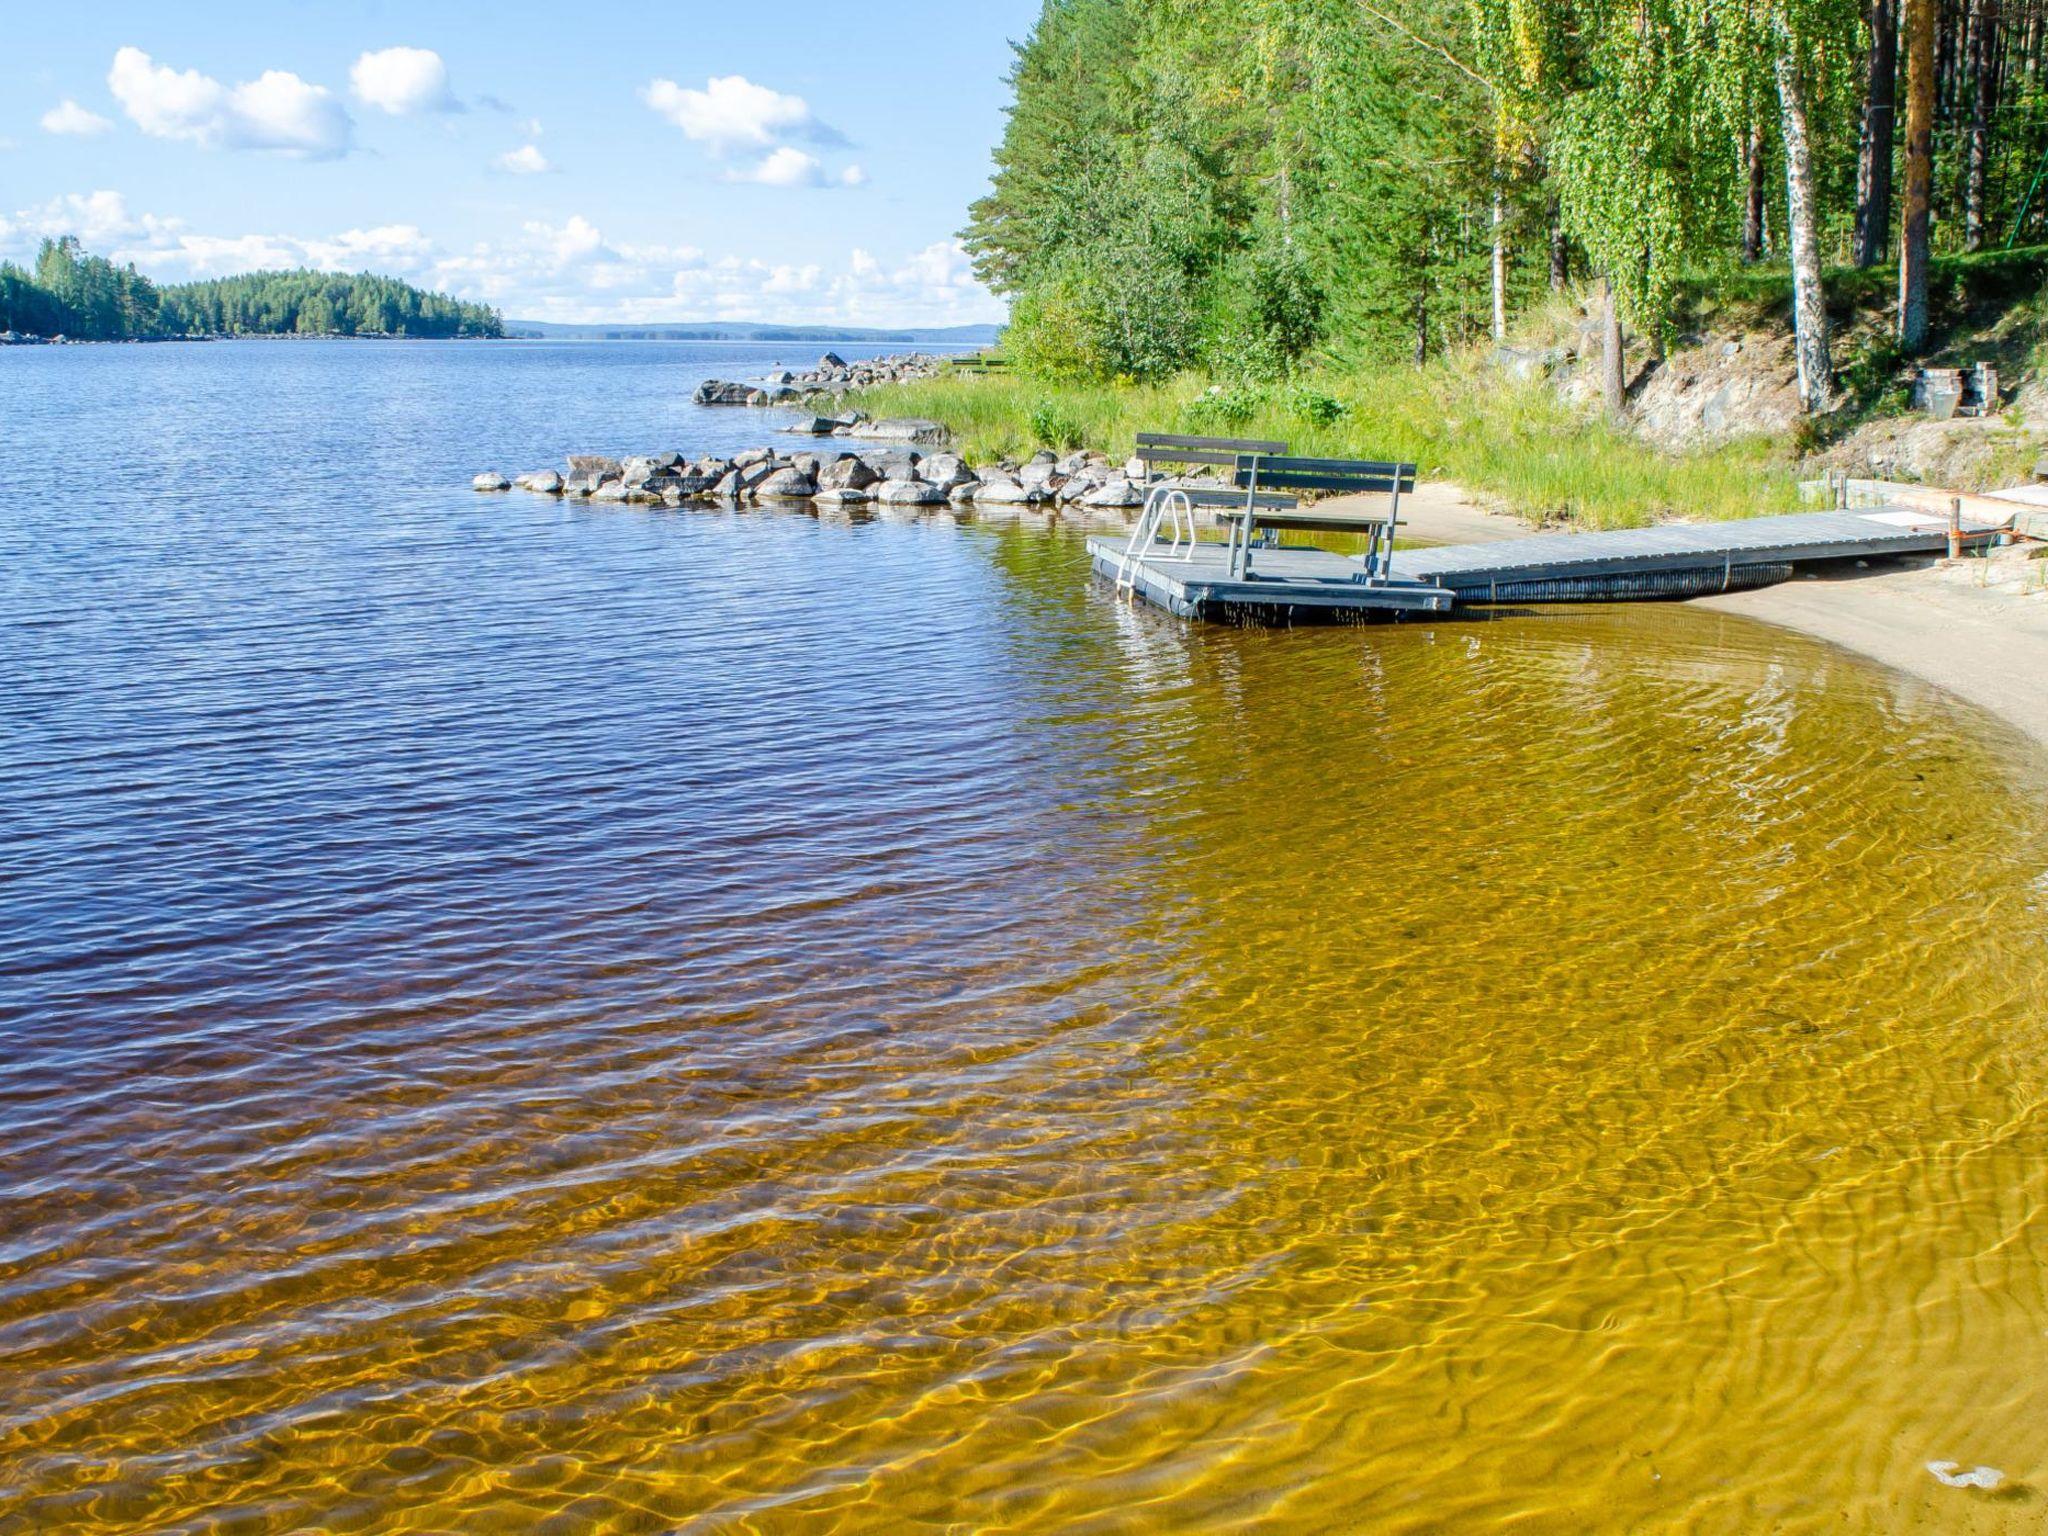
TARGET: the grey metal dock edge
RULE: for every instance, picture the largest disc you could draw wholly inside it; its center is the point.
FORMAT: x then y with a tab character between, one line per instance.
1668	560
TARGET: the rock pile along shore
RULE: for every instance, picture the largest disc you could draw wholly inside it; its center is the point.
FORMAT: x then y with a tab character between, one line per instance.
897	475
834	376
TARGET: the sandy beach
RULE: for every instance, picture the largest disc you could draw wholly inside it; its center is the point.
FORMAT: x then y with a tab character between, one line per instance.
1985	644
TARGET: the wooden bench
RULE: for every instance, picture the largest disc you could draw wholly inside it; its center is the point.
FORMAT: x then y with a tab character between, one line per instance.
1258	474
978	362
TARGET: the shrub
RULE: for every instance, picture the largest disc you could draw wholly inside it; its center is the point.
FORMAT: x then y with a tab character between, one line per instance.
1313	406
1051	334
1054	425
1224	405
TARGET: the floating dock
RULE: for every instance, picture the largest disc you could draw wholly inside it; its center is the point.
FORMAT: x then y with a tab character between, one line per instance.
1670	560
1285	586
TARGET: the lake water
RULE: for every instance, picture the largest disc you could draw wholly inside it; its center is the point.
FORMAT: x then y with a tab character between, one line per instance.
526	1016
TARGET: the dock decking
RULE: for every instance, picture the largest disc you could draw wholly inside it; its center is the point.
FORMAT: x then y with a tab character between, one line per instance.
1668	560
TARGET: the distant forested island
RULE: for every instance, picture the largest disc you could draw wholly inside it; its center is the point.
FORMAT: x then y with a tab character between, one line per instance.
83	297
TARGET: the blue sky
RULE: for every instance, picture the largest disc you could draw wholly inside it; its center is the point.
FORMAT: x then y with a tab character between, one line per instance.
802	159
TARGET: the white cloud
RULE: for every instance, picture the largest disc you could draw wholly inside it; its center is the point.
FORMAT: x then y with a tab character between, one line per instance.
277	110
68	117
732	112
526	160
791	167
404	81
542	270
99	219
786	167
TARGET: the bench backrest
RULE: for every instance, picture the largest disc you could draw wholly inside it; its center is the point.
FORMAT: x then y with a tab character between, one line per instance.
1349	476
1157	448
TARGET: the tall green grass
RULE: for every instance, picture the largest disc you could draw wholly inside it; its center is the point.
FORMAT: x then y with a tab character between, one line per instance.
1517	445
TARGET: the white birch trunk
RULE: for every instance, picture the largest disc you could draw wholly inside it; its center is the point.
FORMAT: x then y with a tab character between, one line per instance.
1809	306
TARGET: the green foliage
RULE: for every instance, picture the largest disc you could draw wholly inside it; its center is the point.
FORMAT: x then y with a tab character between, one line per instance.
322	304
1517	444
90	299
1236	184
1313	406
1224	407
1051	333
1056	425
78	295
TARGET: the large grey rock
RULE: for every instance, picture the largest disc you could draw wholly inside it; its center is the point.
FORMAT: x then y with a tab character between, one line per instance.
1007	493
813	426
905	429
687	481
612	490
831	361
908	493
842	496
596	465
751	457
742	480
963	494
945	470
1117	492
850	473
642	468
1041	474
545	481
894	463
722	392
491	480
789	484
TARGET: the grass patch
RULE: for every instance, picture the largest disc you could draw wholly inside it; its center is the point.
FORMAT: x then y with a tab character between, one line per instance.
1516	444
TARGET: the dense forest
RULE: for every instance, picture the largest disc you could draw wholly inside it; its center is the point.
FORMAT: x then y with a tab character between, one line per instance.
1241	184
88	298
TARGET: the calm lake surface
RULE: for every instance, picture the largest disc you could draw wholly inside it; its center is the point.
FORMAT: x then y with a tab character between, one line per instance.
526	1016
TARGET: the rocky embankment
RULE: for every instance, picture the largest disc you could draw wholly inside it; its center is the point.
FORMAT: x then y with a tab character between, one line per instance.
899	475
834	376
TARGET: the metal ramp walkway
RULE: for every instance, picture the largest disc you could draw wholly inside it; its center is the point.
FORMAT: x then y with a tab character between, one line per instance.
1672	559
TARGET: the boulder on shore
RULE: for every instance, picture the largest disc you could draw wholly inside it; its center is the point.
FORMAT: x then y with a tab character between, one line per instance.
788	484
945	470
1117	492
721	392
850	473
905	429
1007	493
908	493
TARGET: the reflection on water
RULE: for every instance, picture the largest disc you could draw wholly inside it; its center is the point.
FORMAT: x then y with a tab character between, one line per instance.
708	1021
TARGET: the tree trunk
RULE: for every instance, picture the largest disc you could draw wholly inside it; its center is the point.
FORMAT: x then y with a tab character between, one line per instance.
1984	78
1919	171
1500	274
1560	250
1422	322
1809	305
1610	360
1753	208
1874	156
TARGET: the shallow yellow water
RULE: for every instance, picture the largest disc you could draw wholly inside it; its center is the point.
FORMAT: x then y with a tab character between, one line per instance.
1576	1073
